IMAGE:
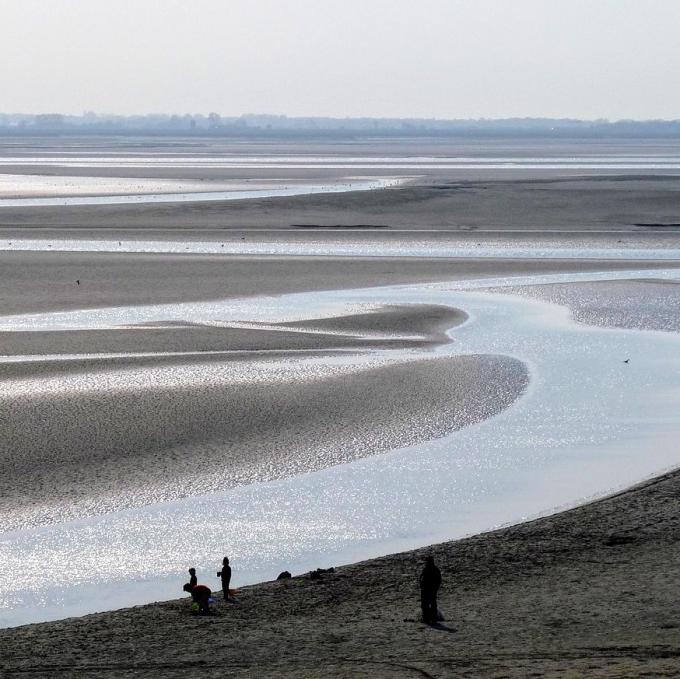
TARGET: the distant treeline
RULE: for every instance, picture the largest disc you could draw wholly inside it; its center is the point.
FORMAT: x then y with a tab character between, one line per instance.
273	126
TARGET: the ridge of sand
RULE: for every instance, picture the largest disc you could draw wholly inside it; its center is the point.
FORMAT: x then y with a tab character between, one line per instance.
417	325
431	321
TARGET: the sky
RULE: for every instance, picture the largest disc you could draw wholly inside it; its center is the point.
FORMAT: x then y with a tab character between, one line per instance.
385	58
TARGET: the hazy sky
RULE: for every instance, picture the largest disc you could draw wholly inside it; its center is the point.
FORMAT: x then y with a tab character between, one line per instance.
424	58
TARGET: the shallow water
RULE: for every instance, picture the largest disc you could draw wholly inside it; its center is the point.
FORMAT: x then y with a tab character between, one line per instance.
325	246
125	192
588	424
156	159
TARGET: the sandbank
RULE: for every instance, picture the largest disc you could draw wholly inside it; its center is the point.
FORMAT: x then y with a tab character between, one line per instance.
113	439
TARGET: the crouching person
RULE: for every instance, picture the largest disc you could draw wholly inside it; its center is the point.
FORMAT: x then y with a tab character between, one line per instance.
201	596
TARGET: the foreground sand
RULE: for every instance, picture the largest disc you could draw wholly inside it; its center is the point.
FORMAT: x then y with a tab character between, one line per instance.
588	592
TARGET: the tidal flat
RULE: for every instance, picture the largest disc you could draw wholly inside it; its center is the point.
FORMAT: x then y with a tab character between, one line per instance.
491	339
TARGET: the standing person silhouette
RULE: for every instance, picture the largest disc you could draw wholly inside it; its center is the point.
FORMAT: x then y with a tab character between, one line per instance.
193	580
430	581
225	574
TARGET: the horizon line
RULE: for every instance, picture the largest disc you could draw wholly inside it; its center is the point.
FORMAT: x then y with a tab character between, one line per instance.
285	116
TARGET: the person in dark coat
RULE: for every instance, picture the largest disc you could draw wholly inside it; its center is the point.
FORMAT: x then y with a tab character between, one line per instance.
430	581
201	595
225	574
193	580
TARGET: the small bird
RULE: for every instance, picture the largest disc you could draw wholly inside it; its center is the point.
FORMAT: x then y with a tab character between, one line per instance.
78	282
627	360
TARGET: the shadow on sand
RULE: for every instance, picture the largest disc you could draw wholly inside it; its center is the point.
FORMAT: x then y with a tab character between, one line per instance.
441	627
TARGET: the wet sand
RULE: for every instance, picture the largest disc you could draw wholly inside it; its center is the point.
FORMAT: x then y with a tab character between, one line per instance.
123	432
46	281
581	198
429	321
588	592
651	304
107	447
433	202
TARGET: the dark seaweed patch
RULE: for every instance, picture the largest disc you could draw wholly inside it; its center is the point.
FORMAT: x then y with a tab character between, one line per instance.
340	226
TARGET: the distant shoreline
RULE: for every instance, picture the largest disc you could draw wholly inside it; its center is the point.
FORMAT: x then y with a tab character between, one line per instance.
263	126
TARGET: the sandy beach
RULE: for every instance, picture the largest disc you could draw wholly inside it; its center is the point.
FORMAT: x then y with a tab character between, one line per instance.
588	592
